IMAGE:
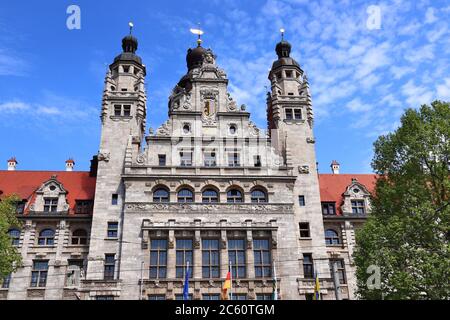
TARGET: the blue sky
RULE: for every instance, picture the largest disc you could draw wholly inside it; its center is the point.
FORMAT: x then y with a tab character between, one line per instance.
361	79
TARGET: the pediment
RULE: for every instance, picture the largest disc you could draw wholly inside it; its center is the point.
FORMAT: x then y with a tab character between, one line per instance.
52	187
356	189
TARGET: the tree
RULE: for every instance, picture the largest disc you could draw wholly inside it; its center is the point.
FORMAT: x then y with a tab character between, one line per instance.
10	258
407	233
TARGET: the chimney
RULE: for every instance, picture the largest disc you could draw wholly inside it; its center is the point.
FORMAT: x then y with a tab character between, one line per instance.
94	166
70	164
335	166
12	163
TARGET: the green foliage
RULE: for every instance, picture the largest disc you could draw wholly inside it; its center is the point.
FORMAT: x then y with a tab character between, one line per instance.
10	258
407	233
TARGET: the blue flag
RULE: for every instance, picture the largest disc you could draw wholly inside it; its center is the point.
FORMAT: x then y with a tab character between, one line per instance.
186	284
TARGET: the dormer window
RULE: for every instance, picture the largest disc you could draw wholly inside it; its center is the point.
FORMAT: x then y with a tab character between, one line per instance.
329	208
358	207
83	206
50	204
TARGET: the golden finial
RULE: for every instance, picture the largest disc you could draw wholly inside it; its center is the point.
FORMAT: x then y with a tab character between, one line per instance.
198	32
282	33
131	25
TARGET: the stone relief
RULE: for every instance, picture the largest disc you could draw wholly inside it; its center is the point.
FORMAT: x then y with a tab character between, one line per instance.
231	104
253	130
193	207
103	156
303	169
142	158
310	140
163	130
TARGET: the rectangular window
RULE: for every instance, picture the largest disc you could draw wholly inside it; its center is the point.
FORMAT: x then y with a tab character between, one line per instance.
127	110
211	296
110	266
358	207
161	160
264	296
114	199
239	296
117	110
157	297
301	201
158	258
210	159
210	258
263	262
340	270
126	69
288	74
257	161
50	204
308	267
233	159
304	230
181	297
289	115
113	227
236	256
297	114
5	282
83	206
39	273
184	253
186	159
328	208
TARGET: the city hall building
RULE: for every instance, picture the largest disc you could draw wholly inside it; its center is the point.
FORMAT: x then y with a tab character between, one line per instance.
208	192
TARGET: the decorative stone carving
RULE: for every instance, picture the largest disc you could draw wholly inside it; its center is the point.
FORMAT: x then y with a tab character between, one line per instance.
303	169
163	130
217	207
231	105
209	57
253	130
310	140
103	156
141	158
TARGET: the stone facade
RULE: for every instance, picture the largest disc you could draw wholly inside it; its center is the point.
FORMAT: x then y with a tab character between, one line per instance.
207	188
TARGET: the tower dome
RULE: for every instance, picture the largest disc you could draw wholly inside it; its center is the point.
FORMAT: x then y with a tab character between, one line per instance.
283	49
129	44
195	57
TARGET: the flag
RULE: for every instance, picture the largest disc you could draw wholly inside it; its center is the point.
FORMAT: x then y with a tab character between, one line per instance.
226	286
317	288
275	284
186	284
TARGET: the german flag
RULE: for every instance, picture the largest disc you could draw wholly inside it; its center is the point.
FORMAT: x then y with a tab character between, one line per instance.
226	287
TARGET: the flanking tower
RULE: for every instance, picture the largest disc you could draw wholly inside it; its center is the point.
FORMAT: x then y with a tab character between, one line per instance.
123	126
290	122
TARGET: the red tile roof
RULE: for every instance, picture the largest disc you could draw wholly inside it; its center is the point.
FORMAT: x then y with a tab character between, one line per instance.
332	186
78	184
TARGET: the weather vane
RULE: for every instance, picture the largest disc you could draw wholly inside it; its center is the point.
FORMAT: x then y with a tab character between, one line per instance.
282	33
198	32
131	25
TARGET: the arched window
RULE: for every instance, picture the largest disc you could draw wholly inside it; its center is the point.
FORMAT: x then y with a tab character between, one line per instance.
161	195
210	196
79	237
258	196
15	236
234	196
332	237
185	195
46	237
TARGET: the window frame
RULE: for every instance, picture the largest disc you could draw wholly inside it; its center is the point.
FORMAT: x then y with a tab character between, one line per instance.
46	240
329	208
210	159
112	230
238	267
186	158
308	266
358	205
162	160
79	238
210	269
15	238
39	274
181	253
235	198
210	198
185	198
158	270
50	204
234	159
305	231
159	198
109	266
262	250
84	206
258	198
340	270
301	200
332	239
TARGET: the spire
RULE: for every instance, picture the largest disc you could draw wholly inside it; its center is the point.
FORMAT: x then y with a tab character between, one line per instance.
283	47
130	43
199	33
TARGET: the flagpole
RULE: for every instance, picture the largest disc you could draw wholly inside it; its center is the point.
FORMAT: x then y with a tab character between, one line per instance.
275	293
231	280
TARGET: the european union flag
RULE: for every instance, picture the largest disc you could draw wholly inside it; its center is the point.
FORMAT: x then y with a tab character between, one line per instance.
186	284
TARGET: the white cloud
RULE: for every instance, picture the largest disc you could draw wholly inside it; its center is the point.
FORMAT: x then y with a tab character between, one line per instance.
443	90
14	106
430	16
356	105
416	95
